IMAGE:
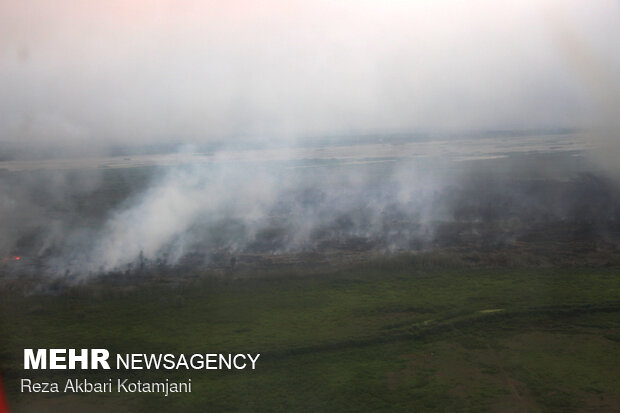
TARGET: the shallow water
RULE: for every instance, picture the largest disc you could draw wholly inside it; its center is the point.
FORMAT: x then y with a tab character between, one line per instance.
453	149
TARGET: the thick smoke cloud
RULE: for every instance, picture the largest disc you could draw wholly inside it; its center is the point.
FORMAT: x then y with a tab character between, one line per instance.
91	73
254	207
77	78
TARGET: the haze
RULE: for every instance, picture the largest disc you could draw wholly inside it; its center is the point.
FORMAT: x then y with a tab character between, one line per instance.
96	73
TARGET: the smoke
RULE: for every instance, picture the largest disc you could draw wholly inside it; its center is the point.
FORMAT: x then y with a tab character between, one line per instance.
36	207
596	68
79	78
254	207
203	213
92	73
161	222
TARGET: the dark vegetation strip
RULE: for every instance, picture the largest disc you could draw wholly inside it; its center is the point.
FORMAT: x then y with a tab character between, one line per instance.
422	331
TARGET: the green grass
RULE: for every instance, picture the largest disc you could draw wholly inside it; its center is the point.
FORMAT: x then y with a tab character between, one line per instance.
400	334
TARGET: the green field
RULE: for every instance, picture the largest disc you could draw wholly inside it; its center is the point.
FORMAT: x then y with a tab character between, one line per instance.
408	333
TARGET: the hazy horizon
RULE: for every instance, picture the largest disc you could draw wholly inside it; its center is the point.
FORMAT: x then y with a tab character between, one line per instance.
109	73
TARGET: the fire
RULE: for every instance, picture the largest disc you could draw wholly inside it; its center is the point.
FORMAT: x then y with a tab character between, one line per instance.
14	258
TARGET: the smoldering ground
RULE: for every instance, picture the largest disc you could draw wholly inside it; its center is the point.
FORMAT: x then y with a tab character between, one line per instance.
80	223
133	216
